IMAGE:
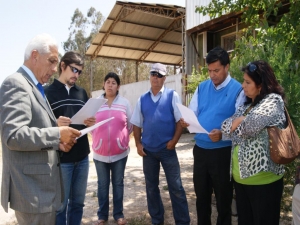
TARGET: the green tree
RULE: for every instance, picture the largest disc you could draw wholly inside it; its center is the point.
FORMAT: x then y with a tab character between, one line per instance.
258	14
83	29
194	80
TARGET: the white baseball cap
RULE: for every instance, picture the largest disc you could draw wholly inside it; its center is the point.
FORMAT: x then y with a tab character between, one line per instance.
160	68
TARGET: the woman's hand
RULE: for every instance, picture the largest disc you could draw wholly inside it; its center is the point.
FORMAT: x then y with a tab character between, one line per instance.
90	121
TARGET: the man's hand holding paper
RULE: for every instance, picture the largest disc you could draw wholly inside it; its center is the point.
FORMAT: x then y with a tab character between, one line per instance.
63	121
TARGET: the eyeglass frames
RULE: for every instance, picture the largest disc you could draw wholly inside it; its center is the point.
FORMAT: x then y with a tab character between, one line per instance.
156	74
75	70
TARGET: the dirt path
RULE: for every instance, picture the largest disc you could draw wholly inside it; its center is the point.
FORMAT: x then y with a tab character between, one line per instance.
135	206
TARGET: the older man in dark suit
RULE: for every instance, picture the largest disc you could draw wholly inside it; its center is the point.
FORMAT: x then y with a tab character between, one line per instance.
31	179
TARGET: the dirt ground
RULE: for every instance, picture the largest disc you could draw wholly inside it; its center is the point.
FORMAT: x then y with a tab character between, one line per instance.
135	205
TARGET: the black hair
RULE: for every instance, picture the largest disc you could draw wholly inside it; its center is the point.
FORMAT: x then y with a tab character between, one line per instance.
69	58
114	76
218	54
264	76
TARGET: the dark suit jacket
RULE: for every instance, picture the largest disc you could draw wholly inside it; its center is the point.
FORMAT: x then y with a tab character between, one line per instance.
31	178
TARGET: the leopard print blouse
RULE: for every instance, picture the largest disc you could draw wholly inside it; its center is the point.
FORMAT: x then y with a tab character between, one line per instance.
252	137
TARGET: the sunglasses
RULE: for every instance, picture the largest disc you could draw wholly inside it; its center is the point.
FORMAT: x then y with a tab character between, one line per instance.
75	70
156	74
252	67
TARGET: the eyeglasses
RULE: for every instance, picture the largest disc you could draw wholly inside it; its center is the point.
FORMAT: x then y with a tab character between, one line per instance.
252	67
156	74
75	70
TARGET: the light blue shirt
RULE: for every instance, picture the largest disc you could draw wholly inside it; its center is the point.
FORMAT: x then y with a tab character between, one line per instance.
239	100
137	117
30	73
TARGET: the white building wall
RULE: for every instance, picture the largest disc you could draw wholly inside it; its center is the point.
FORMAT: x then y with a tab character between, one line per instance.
134	90
193	18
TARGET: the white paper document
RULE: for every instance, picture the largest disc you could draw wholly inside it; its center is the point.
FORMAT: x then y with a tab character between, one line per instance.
88	110
88	129
189	117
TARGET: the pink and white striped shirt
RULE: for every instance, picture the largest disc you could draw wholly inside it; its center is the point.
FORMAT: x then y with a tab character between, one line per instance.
111	140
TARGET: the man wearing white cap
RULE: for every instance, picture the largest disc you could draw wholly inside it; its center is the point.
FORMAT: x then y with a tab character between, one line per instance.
157	115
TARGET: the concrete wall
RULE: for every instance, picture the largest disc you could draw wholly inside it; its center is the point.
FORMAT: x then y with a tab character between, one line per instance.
134	90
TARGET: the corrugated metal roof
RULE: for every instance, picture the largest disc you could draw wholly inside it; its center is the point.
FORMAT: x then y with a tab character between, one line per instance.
216	23
142	32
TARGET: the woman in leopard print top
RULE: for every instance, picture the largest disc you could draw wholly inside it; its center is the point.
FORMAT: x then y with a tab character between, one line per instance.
257	179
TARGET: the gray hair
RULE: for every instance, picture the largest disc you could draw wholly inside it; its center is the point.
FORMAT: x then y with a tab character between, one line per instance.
41	43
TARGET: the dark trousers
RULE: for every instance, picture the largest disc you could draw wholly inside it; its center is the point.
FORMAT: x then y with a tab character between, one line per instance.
259	204
212	174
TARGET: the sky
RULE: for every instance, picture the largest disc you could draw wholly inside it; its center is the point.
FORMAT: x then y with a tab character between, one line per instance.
21	20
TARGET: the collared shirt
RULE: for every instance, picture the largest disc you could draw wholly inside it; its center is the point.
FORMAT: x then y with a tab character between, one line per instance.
137	117
30	73
239	100
68	88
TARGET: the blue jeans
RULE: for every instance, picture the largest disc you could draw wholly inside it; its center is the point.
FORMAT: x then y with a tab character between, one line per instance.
74	177
151	166
117	176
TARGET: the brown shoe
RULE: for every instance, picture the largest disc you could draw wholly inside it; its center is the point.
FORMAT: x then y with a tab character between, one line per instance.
100	222
121	221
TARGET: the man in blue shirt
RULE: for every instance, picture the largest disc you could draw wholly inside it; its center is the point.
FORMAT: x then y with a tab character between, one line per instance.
214	101
157	114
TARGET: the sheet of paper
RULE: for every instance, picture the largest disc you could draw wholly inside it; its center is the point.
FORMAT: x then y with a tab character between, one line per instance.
189	117
88	129
88	110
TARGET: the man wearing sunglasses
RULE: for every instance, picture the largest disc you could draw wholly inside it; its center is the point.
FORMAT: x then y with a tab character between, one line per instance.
156	113
66	99
214	101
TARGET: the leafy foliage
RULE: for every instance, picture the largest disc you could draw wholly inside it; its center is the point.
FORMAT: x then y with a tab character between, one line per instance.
259	14
196	78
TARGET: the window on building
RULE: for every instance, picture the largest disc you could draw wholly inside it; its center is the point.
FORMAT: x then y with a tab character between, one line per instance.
228	41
